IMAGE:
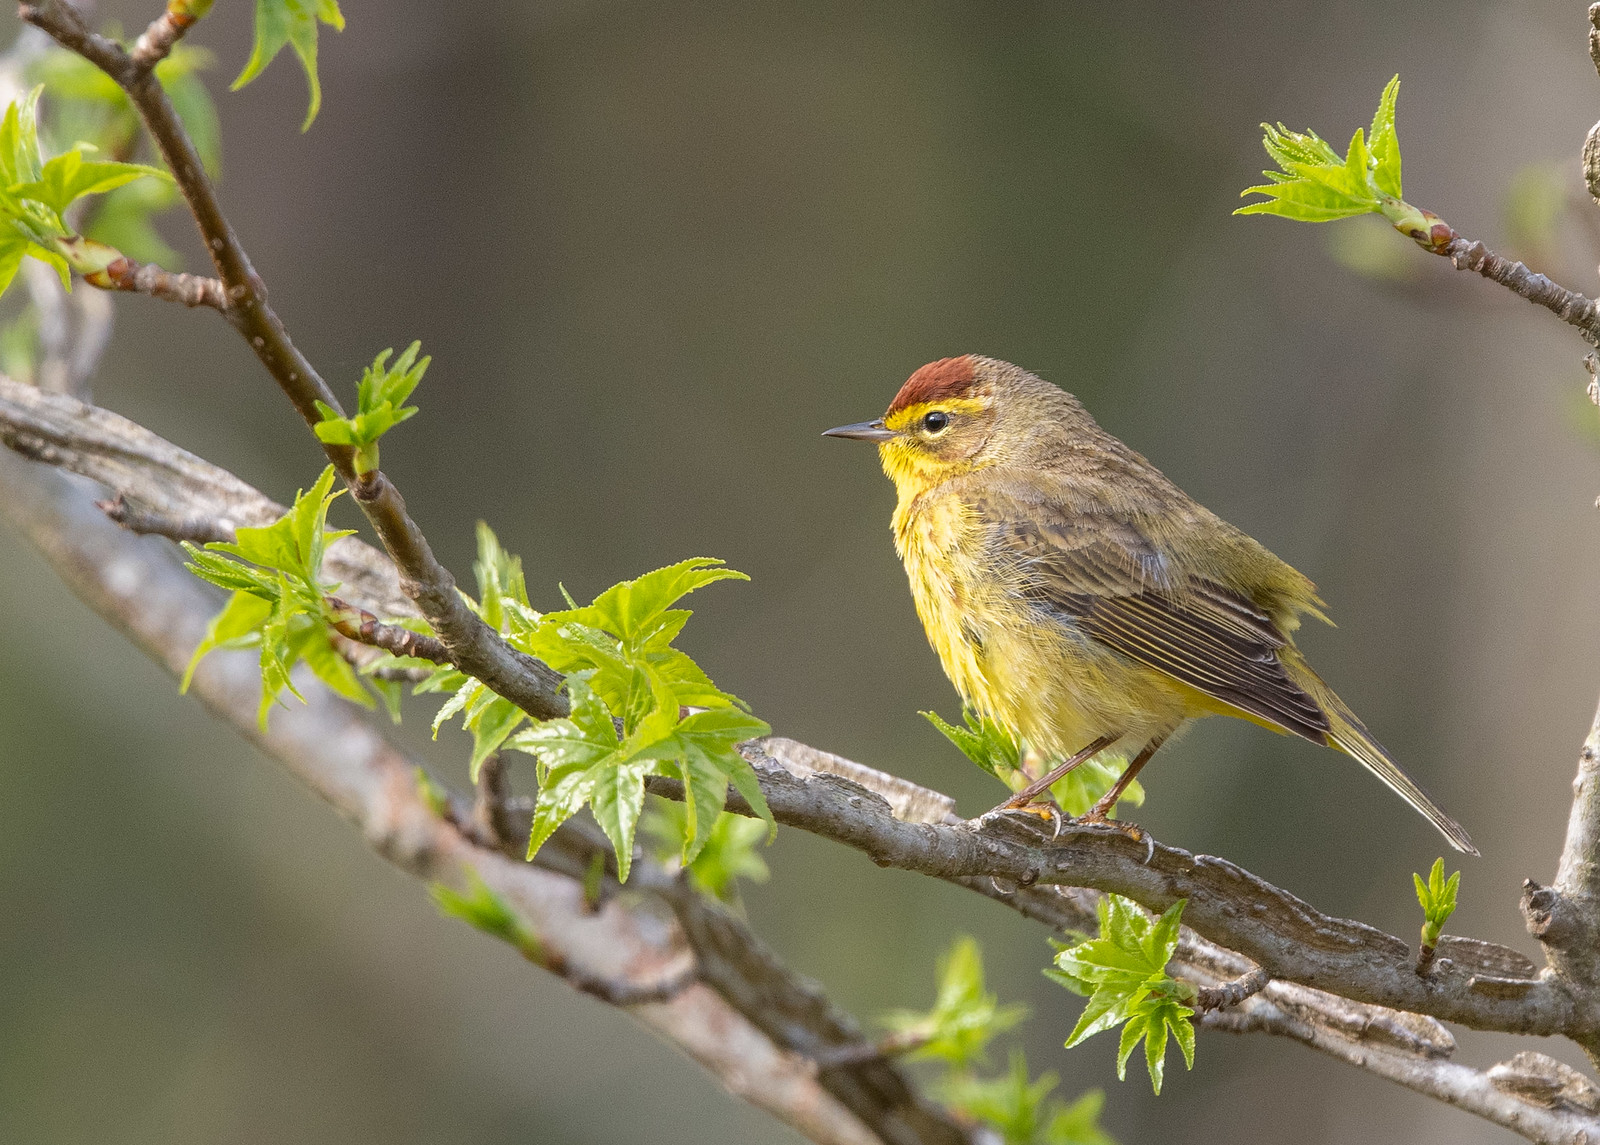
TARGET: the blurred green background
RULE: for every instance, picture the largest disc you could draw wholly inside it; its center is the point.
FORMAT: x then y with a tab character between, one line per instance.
654	250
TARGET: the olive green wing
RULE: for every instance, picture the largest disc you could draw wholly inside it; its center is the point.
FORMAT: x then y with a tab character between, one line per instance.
1105	577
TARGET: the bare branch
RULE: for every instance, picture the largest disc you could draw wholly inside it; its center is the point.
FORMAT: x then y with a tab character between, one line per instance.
146	278
360	625
1472	1090
198	530
1467	254
155	43
1233	992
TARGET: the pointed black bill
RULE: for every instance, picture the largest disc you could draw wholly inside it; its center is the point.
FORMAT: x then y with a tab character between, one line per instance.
862	431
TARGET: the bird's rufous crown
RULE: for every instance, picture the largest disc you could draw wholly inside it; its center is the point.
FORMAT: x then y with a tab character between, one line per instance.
937	381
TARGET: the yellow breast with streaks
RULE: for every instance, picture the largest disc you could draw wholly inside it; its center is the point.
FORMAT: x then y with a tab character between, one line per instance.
1041	678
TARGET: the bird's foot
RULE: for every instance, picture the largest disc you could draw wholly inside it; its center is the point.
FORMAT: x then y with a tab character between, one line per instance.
1098	818
1046	809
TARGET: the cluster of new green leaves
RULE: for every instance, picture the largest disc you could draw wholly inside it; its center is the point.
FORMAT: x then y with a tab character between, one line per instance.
279	602
1437	897
1315	184
728	854
1124	974
36	194
292	22
380	406
84	104
639	706
994	749
957	1031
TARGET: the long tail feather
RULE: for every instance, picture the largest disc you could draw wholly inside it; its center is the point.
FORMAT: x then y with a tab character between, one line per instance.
1350	737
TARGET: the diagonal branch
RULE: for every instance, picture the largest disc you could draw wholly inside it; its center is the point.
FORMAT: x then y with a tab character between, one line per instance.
475	647
611	953
1266	925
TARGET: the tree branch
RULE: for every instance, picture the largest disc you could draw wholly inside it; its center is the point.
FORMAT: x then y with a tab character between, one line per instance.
158	40
1473	1090
1565	917
1268	926
1467	254
474	647
146	278
610	952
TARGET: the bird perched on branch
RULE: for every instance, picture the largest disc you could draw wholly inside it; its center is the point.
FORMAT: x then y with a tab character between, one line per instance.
1079	598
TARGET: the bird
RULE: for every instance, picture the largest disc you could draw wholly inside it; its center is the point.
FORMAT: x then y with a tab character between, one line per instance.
1081	600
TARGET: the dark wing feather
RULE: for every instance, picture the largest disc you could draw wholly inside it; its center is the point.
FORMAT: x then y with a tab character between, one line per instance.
1109	580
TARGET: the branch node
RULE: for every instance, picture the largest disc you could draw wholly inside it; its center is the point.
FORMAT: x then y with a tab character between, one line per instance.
1210	998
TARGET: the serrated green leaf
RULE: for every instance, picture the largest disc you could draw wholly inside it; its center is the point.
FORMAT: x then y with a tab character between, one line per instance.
466	692
310	642
500	579
239	621
982	741
728	851
1126	968
69	177
1079	1123
965	1015
1385	142
1316	184
617	800
636	611
292	22
490	728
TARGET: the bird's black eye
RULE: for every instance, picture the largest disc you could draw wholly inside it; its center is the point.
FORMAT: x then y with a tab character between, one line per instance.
936	421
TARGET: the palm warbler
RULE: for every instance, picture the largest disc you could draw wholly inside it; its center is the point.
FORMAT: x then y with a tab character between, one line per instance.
1078	597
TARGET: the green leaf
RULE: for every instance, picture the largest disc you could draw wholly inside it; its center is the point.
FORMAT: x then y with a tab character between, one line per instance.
500	580
703	746
1124	972
490	725
617	800
1023	1112
982	741
1313	183
1385	142
292	22
237	625
965	1016
1079	1123
1081	788
294	543
636	611
69	177
727	852
379	406
1437	898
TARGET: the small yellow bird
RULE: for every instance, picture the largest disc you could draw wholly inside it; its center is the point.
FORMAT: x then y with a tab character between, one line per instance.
1079	598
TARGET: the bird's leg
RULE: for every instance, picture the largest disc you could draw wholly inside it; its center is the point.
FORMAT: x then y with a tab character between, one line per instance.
1099	812
1039	786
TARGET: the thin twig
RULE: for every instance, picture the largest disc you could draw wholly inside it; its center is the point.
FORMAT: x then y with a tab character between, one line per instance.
146	278
1472	1090
156	42
196	530
475	647
1231	993
358	624
1467	254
